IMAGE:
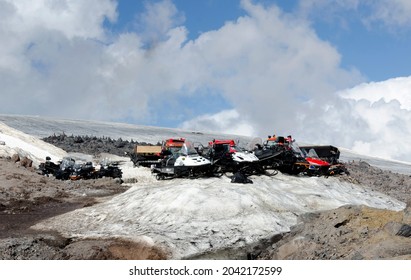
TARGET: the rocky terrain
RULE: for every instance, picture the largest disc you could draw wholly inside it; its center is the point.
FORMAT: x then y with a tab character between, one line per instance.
352	232
349	232
92	145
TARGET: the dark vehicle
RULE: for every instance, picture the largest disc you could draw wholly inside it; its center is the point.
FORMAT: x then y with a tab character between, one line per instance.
109	170
68	169
327	154
48	168
285	155
83	171
330	154
276	153
225	156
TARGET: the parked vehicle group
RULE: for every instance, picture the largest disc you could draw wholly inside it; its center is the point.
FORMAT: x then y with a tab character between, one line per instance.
68	169
181	158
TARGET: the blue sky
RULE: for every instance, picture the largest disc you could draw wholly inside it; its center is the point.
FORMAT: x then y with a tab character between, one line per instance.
199	16
325	71
378	51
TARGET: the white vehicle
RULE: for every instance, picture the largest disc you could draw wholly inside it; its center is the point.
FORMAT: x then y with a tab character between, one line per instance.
185	162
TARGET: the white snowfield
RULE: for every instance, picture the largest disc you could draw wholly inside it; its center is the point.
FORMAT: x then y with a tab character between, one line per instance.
17	142
190	218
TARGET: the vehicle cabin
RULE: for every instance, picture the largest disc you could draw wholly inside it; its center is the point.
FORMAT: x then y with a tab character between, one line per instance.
223	146
173	145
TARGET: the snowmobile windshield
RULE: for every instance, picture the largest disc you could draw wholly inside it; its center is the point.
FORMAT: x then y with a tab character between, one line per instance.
312	153
188	149
271	143
296	149
234	149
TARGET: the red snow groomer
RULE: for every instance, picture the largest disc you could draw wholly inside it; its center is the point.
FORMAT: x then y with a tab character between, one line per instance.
146	155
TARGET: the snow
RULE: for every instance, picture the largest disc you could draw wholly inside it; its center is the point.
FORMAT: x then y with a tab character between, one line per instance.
192	217
17	142
43	127
397	166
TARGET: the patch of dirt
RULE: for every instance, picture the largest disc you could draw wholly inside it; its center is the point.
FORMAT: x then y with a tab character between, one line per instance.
349	232
114	249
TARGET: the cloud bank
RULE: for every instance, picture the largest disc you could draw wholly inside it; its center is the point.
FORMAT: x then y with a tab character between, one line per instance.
266	72
385	110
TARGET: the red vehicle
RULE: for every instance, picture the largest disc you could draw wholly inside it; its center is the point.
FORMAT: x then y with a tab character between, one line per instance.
295	159
145	155
326	158
223	146
173	144
326	164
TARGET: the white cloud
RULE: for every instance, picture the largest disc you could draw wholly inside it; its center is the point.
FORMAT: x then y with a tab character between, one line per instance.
228	121
391	13
158	20
273	69
307	6
396	89
385	108
72	18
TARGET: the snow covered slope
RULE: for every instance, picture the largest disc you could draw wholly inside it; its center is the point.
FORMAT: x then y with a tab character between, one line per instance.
43	127
17	142
392	165
191	218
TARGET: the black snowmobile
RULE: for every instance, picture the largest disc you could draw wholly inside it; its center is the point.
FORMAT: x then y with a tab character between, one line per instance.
48	168
226	157
109	170
66	168
275	154
84	171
